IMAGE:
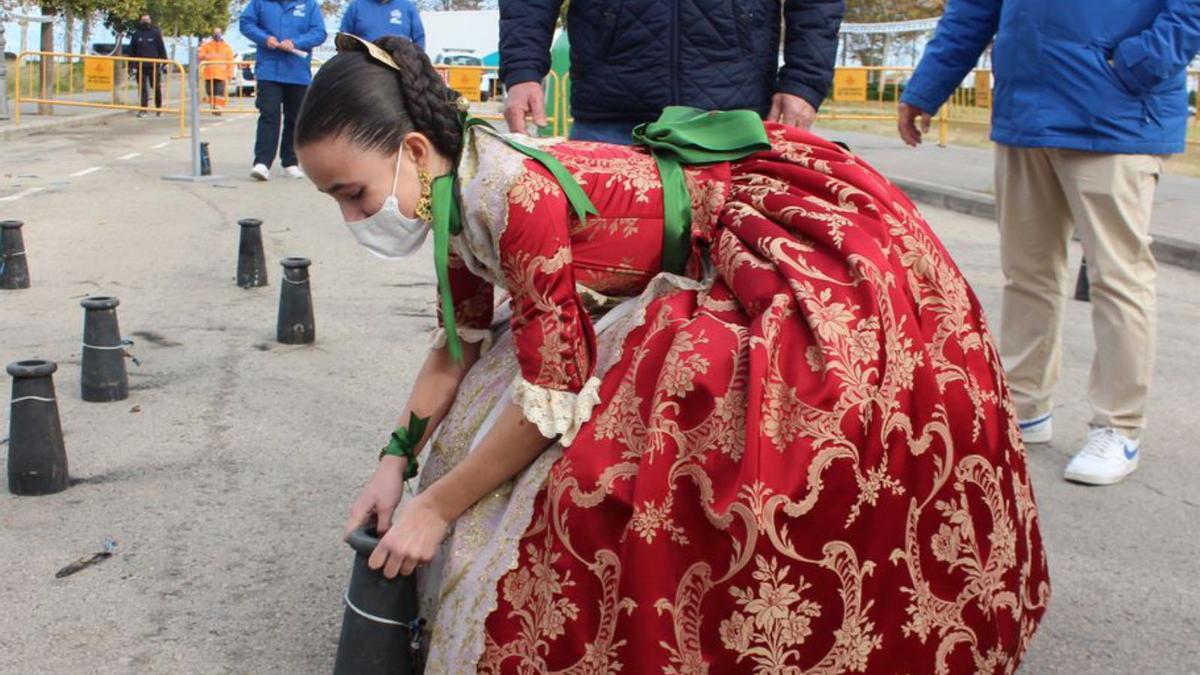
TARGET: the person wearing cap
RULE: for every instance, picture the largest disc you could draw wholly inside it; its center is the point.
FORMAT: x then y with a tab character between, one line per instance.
286	32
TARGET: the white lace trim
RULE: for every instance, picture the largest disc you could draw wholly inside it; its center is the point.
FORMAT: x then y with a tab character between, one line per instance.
483	335
557	413
487	172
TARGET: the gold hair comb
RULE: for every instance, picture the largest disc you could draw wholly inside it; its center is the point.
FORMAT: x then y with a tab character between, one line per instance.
346	42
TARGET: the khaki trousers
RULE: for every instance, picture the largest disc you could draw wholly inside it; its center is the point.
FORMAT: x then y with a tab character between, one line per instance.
1042	193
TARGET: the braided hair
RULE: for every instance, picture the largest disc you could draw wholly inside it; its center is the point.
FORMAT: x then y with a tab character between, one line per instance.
375	106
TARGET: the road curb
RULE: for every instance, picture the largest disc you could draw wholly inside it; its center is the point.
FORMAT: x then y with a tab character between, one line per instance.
54	125
1167	250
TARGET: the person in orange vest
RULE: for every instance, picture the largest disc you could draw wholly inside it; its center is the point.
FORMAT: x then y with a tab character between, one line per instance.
216	75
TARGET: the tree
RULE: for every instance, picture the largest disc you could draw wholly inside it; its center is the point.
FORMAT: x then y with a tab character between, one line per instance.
874	50
176	18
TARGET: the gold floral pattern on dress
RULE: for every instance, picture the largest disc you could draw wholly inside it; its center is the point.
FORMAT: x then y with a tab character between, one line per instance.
775	617
634	172
651	518
531	187
819	429
613	228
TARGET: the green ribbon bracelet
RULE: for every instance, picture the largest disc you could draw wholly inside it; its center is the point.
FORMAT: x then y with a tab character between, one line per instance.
403	443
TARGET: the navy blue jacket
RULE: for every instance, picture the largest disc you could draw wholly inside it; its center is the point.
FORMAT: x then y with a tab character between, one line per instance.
373	19
632	58
297	20
1095	75
147	43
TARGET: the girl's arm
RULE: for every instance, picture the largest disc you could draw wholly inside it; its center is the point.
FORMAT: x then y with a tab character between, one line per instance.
432	395
510	446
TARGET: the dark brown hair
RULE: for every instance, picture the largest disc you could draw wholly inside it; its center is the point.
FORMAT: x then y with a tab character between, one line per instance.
375	106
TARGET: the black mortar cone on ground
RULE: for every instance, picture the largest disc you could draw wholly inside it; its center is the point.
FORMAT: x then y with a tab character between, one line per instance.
37	458
381	633
205	160
104	377
1083	290
15	272
252	264
295	324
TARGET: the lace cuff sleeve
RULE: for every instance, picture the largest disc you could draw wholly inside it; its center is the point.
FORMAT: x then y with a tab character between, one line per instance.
556	412
465	334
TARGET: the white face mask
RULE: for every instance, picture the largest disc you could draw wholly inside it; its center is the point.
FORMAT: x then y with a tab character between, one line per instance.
389	233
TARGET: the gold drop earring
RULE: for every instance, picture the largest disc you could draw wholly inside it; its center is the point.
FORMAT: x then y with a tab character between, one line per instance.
425	203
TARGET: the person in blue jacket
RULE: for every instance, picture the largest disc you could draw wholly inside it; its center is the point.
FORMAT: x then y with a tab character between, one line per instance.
632	58
373	19
286	32
1090	96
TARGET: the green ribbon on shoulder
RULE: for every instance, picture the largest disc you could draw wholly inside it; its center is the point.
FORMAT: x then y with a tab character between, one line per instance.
447	219
685	136
681	136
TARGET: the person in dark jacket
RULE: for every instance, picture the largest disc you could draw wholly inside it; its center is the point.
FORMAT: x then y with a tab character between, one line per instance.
632	58
147	43
285	32
1089	97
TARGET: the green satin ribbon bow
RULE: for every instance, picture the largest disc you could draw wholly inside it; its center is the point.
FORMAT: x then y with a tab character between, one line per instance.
447	219
403	443
681	136
688	136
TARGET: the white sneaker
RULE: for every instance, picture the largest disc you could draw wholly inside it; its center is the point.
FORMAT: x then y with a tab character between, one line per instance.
260	172
294	171
1037	430
1107	457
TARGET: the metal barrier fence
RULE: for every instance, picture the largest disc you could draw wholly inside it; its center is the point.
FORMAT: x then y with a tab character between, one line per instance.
106	82
475	87
229	87
120	82
873	94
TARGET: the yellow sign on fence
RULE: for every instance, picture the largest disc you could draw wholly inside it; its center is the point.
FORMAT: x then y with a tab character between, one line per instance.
983	89
465	80
850	84
97	74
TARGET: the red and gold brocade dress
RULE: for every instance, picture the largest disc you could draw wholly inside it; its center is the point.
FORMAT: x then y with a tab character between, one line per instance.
798	457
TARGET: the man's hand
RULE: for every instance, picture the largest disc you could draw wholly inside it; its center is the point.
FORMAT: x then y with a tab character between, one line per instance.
525	100
793	110
272	43
287	46
913	124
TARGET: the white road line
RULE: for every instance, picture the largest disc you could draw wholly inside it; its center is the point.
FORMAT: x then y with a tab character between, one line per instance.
160	146
84	172
129	156
22	193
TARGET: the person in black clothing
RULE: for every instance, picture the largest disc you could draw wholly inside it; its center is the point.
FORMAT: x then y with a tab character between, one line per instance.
632	58
147	43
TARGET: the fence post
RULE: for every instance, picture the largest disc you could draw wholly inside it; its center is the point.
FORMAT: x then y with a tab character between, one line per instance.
192	103
17	89
183	97
48	66
188	95
3	68
944	126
